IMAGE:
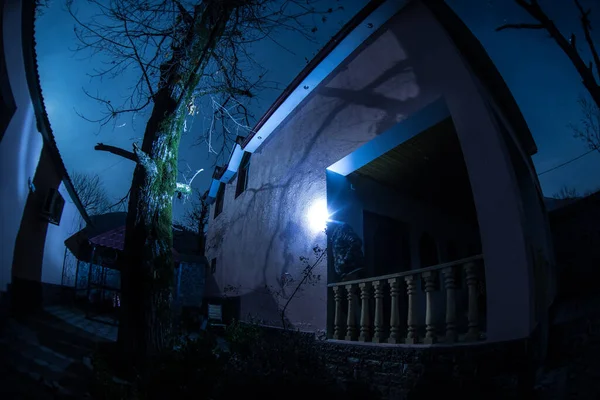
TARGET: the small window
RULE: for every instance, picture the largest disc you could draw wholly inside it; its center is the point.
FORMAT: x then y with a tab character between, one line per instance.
242	180
219	199
213	265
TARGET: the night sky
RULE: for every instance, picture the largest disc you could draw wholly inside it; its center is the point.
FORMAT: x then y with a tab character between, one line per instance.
541	78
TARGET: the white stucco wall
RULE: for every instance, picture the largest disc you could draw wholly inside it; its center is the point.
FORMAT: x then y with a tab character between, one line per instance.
21	145
54	248
261	234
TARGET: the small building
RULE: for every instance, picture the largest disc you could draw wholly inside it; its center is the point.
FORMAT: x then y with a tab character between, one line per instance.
39	207
94	275
403	139
576	241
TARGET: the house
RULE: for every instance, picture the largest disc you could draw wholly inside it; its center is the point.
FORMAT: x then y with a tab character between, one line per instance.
577	245
403	139
39	207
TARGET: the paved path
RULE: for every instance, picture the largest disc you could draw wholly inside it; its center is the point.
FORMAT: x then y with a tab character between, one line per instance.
44	356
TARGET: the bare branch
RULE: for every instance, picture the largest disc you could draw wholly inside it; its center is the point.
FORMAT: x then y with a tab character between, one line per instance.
587	27
519	26
117	151
588	129
121	204
197	218
91	192
544	22
139	60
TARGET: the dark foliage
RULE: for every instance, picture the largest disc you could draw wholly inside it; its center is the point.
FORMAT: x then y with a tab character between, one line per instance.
255	362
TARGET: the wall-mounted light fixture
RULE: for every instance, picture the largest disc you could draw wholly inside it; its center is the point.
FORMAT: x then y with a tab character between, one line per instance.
318	215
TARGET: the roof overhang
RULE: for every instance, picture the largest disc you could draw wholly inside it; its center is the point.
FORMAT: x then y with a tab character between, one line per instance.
364	24
351	37
35	92
429	116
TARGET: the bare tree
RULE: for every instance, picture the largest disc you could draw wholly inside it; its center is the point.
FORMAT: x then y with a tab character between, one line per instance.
196	218
308	278
91	192
567	193
588	129
192	56
568	46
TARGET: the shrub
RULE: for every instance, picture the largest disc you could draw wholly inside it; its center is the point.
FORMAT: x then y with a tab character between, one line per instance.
259	363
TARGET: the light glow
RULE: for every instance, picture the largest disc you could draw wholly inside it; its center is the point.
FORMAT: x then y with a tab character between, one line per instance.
318	215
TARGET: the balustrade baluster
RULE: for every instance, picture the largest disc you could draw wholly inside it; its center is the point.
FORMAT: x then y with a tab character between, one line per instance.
395	317
411	289
378	337
365	314
337	319
450	285
351	320
365	322
473	313
430	336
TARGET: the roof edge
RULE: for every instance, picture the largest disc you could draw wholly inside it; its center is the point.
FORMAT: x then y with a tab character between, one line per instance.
317	59
35	93
484	68
346	30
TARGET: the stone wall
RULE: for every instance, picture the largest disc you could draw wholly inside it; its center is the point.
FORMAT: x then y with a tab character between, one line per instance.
492	370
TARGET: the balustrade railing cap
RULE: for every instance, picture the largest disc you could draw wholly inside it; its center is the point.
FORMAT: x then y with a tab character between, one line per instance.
467	262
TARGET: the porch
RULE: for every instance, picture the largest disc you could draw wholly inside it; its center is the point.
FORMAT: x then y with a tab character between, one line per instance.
416	275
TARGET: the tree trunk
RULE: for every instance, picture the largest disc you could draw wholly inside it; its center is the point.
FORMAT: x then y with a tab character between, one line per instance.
147	272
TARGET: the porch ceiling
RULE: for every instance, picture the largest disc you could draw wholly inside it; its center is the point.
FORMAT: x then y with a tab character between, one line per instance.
428	167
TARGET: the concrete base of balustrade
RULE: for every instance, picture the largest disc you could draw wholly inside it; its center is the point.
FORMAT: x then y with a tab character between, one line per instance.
479	370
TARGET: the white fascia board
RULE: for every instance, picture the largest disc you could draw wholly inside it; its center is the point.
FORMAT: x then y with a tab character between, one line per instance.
214	188
344	49
233	164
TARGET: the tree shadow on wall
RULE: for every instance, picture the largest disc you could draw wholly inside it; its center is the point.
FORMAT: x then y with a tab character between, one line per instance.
342	99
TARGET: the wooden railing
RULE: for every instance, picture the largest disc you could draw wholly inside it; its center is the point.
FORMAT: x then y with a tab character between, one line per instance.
360	305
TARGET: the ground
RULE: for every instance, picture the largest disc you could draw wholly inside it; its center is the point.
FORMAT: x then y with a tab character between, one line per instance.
47	356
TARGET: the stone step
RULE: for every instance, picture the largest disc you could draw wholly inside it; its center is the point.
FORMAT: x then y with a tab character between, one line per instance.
15	385
66	378
29	350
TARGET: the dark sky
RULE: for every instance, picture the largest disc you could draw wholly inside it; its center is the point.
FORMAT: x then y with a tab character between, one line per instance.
541	78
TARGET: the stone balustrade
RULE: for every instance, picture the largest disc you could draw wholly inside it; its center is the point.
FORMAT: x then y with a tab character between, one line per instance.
412	307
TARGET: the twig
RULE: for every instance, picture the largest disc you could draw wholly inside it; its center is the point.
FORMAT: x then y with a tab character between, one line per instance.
306	275
120	202
520	26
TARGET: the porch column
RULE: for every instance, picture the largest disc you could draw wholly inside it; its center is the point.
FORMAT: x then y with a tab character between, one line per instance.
499	204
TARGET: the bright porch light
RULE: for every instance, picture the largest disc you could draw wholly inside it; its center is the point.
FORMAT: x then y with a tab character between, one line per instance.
318	215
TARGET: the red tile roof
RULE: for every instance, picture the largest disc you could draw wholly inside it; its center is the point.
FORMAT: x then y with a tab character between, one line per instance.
115	239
